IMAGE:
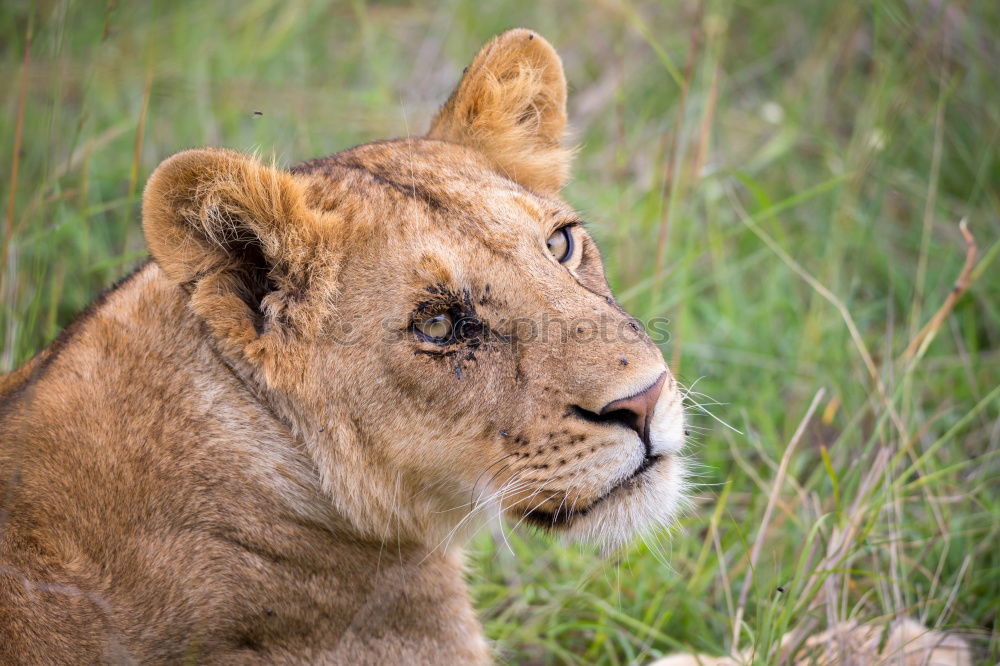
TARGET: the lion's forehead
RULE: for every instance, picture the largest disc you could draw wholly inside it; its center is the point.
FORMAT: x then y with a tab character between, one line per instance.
426	183
431	222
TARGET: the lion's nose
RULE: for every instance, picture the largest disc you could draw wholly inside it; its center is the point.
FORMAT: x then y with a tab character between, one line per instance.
636	411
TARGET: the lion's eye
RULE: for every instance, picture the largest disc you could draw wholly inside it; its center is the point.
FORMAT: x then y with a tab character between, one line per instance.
436	328
560	244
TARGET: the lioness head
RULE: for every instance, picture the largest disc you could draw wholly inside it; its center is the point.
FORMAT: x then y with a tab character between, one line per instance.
431	319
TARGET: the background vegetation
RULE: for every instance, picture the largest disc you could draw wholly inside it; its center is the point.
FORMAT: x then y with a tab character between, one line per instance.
784	181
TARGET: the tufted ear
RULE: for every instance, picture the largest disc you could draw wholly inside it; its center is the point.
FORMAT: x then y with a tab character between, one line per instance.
511	106
238	237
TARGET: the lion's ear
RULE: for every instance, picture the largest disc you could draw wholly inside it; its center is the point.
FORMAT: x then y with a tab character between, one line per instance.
236	235
511	106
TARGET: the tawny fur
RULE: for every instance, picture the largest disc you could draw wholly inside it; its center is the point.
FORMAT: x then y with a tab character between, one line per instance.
511	106
245	453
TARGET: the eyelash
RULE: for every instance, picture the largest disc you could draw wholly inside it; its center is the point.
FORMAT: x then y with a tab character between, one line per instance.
463	326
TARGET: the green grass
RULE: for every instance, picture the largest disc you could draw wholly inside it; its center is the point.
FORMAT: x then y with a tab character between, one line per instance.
764	176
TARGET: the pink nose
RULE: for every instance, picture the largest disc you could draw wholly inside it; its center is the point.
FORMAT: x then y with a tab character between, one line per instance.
636	411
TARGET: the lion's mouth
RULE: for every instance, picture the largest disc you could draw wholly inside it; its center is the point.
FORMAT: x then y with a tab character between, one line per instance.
562	517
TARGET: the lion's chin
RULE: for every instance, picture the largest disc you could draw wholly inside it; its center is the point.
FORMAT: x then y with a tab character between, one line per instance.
643	503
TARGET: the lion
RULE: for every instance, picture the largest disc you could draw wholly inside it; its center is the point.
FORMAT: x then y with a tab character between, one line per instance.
270	442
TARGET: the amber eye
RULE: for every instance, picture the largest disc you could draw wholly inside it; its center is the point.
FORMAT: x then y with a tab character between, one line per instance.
436	328
560	244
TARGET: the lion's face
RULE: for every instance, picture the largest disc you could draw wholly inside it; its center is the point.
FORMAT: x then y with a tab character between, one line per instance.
486	352
435	321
